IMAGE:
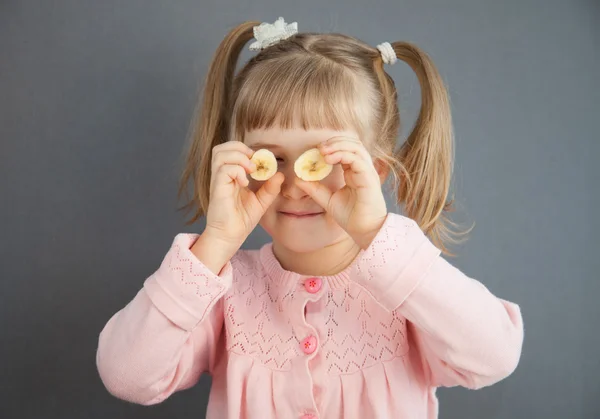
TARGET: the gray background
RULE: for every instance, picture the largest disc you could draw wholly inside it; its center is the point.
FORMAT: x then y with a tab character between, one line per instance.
95	102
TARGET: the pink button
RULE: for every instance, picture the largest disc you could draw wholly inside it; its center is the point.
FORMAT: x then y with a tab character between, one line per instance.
313	285
309	345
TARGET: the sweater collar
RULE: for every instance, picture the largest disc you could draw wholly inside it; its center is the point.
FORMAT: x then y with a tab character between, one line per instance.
281	276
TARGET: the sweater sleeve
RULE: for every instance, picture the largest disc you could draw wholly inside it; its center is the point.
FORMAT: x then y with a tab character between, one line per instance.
164	338
463	334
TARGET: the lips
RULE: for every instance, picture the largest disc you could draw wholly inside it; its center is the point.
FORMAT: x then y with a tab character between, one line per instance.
301	214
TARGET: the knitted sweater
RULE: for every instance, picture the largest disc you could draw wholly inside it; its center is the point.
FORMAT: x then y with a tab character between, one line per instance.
373	341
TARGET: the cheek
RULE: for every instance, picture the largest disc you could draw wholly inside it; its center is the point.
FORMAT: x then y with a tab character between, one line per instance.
335	181
254	185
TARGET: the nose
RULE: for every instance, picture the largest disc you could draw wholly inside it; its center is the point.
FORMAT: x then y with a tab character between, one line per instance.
290	189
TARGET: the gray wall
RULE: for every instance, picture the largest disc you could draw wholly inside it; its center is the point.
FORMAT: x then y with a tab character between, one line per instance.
95	100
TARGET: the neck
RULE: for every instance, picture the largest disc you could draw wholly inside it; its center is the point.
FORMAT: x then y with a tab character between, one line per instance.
328	260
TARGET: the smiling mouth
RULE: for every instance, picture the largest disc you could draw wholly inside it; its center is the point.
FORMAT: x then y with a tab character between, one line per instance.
300	214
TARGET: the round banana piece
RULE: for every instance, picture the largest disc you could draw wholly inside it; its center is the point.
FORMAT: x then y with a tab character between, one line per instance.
266	164
311	166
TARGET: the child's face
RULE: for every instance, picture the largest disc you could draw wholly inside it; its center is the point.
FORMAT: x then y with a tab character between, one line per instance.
306	233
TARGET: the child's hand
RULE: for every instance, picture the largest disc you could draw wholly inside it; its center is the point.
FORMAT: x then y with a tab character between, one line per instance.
359	207
234	210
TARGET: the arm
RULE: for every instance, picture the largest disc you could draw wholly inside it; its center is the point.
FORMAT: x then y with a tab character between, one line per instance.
463	333
164	339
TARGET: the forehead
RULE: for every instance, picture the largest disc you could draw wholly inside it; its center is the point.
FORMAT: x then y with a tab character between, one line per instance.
292	139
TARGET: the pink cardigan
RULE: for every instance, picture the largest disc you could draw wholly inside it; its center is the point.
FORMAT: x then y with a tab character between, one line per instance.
373	341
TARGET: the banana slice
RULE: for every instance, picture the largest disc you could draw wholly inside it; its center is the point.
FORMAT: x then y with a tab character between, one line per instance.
266	164
311	166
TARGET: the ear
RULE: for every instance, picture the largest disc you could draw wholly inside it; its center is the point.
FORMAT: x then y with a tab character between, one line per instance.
382	169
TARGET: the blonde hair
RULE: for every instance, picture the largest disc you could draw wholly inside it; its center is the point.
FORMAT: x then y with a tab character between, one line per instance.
328	81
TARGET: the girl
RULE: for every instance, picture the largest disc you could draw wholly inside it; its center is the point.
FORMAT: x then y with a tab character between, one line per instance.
351	311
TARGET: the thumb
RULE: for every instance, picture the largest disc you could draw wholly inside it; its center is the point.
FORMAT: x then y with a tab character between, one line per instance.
317	191
269	191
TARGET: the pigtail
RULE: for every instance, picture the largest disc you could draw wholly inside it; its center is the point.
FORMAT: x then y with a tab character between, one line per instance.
426	159
210	124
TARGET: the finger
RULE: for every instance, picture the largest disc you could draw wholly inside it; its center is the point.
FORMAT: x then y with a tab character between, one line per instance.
230	173
357	165
342	138
269	190
232	157
317	191
233	145
344	144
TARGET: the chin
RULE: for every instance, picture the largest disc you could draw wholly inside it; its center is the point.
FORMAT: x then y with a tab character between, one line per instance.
303	240
301	244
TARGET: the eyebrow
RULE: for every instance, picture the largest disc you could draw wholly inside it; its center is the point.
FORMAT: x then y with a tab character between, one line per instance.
264	145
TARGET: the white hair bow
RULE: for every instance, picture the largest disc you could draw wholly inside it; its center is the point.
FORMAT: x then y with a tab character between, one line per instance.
267	34
387	53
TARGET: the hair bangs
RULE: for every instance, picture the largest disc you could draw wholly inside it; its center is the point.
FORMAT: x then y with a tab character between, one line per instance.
308	92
